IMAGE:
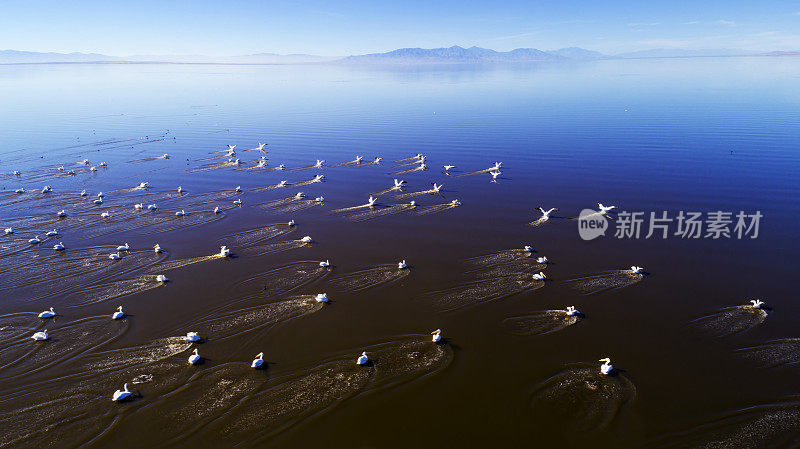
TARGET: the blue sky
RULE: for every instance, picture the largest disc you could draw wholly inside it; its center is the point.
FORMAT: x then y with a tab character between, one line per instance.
345	27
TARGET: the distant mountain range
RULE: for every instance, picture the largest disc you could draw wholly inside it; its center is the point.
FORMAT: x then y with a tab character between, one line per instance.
454	54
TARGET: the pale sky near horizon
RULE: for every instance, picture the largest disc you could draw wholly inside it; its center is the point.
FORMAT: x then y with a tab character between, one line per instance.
355	26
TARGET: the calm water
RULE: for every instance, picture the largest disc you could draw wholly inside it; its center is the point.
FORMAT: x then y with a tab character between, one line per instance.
653	135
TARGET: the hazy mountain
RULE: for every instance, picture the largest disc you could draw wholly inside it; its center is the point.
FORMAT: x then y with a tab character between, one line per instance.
17	57
578	53
453	54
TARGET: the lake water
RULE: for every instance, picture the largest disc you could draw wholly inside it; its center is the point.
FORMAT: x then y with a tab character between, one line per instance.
668	135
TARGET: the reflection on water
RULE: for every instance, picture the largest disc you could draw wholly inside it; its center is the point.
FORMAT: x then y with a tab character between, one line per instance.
701	134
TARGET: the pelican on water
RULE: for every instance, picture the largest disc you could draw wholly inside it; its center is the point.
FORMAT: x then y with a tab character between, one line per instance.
231	147
402	264
180	190
258	361
83	193
92	168
539	276
157	248
371	201
121	395
571	311
62	214
20	190
319	178
8	230
437	336
527	248
194	358
306	239
358	159
436	187
40	336
59	246
144	185
224	251
300	195
319	199
636	269
546	213
35	240
180	213
238	189
291	223
319	163
321	297
48	313
98	201
165	156
138	206
495	174
605	209
192	337
47	189
161	278
455	203
152	207
447	169
542	259
15	173
52	233
103	164
237	202
398	184
282	167
497	165
115	256
363	359
282	183
85	162
325	264
119	314
757	303
124	247
606	367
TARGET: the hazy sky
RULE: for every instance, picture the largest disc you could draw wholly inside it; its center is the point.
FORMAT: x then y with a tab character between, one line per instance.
344	27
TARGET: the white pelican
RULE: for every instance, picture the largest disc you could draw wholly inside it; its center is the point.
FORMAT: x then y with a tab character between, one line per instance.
124	247
306	239
448	167
539	276
495	174
358	159
542	259
85	162
371	201
282	184
606	367
260	147
98	201
262	163
48	313
119	314
319	178
138	206
62	214
192	337
157	248
47	189
20	190
422	166
238	189
8	230
165	156
363	359
59	246
83	193
237	202
258	361
402	264
161	278
224	251
291	223
71	173
40	336
180	213
231	147
605	209
497	165
100	195
93	168
436	187
144	185
413	203
103	164
281	167
321	297
437	336
546	213
121	395
35	240
377	160
52	233
115	256
419	156
325	264
571	311
180	190
757	303
61	168
194	358
398	184
319	199
636	270
216	210
319	163
300	195
15	173
455	203
527	249
152	207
